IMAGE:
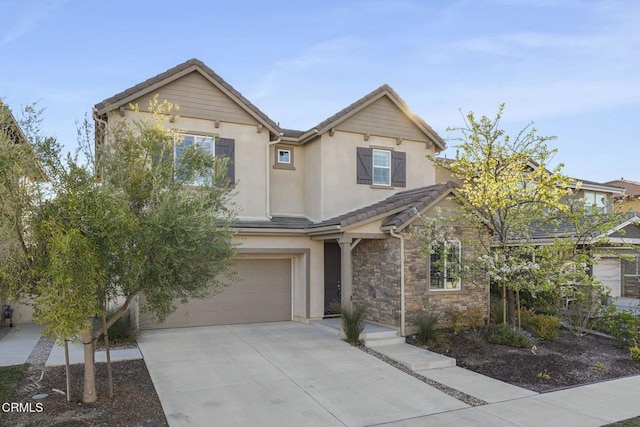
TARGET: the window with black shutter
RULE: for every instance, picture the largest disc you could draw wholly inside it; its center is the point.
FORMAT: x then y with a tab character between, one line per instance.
226	147
381	167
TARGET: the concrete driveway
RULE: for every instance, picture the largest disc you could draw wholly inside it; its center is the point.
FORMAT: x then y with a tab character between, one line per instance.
279	374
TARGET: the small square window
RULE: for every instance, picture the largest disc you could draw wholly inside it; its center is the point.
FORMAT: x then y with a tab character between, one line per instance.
284	156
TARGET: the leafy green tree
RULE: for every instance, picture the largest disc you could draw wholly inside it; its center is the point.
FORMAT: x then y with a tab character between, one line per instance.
140	229
506	186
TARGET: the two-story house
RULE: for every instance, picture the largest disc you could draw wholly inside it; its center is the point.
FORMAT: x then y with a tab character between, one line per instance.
325	214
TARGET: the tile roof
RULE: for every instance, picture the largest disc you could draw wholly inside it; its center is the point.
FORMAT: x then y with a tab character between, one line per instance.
284	222
120	98
400	206
406	202
564	228
631	188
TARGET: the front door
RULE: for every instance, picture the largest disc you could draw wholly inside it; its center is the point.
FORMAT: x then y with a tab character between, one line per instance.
332	274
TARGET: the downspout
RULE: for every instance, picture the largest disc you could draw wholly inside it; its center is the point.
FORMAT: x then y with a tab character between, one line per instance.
268	178
402	302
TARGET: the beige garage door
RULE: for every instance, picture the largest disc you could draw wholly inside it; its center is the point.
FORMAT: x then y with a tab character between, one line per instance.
262	294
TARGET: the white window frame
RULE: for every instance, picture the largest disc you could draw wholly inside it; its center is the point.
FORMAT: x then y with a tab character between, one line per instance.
374	167
197	138
279	159
456	284
591	202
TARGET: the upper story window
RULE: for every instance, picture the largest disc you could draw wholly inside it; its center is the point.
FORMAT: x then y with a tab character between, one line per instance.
381	168
444	266
595	202
212	145
284	157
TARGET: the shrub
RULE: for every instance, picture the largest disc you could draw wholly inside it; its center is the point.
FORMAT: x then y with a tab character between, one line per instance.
634	352
505	334
496	311
624	327
543	326
352	321
475	318
428	333
122	330
454	318
526	319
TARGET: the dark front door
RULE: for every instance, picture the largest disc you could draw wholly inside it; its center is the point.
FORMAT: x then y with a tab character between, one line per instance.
332	271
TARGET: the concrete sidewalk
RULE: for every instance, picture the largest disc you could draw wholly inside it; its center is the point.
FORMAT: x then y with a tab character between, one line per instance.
591	405
16	347
76	354
508	405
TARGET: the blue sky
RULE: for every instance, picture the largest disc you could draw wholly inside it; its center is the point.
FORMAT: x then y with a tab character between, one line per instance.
572	67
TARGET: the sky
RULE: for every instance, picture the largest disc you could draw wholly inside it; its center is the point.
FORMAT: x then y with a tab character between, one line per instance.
571	67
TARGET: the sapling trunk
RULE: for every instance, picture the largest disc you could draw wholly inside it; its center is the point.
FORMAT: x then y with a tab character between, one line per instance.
89	394
106	347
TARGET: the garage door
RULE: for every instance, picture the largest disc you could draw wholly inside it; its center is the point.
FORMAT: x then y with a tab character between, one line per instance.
261	294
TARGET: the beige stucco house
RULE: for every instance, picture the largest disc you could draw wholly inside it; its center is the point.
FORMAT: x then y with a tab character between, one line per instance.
325	214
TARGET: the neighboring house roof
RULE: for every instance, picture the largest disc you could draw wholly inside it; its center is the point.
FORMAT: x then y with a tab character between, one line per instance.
297	136
585	184
564	228
631	188
11	124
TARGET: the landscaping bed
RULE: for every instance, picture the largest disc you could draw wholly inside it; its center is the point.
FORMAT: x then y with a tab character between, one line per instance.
567	361
135	401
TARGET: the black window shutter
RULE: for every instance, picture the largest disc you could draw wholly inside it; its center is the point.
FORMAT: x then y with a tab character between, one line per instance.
364	166
398	169
226	147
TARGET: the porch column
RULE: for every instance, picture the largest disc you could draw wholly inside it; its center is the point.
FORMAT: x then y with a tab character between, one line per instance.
345	274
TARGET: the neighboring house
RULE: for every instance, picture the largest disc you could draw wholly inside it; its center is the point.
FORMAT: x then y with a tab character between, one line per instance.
326	213
620	275
11	132
630	200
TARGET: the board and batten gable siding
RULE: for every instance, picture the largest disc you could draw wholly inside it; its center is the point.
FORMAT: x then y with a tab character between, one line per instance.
383	118
198	98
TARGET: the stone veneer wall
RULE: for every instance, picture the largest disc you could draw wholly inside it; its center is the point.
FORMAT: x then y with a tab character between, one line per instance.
474	293
376	279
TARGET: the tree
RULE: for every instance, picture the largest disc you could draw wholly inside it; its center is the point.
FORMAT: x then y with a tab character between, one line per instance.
509	189
139	230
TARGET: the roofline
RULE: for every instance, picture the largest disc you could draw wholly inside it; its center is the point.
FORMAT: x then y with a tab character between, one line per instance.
448	191
172	74
596	186
365	101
